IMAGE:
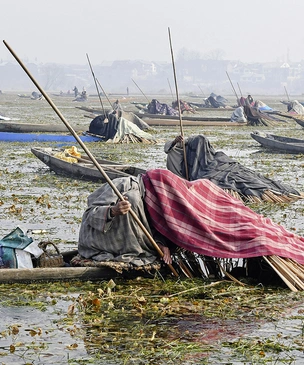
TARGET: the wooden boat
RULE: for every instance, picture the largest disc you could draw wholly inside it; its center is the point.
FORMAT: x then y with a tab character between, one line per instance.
32	137
24	96
197	107
84	168
206	122
191	118
153	120
67	273
96	111
33	127
71	94
2	117
299	121
279	143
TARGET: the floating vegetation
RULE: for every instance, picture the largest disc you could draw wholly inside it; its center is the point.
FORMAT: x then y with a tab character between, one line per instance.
153	321
140	321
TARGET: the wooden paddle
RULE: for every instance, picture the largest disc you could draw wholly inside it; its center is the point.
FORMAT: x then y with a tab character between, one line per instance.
87	151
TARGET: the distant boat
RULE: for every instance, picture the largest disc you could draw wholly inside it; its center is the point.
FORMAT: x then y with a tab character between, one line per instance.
279	143
299	121
71	94
35	127
153	120
4	118
33	137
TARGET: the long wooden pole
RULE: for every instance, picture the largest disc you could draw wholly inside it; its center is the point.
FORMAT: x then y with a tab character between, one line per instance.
286	93
237	99
240	89
87	151
140	90
179	109
104	93
94	78
201	91
170	89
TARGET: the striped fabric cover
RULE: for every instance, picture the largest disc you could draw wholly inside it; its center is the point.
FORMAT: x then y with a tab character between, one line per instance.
201	217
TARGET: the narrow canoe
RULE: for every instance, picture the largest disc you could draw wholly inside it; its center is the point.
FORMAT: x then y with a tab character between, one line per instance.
32	127
279	143
196	107
66	273
83	169
191	118
299	121
206	122
32	137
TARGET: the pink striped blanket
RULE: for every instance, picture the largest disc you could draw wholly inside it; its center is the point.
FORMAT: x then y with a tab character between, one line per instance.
200	217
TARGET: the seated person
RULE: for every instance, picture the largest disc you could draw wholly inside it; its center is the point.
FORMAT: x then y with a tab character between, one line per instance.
107	232
197	216
175	155
203	162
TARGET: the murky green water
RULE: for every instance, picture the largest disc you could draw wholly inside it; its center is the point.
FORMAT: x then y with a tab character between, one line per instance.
33	198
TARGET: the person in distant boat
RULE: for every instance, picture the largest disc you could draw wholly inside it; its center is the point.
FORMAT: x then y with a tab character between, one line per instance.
295	107
75	91
84	95
198	215
250	100
117	106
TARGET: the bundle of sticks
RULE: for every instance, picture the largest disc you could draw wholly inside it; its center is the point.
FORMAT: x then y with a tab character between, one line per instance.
131	138
268	196
194	265
288	270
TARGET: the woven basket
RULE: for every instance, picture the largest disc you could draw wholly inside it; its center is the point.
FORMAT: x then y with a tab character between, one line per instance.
50	258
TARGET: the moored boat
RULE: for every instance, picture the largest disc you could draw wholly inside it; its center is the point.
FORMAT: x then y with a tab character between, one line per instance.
91	270
82	167
203	121
279	143
35	127
34	137
299	121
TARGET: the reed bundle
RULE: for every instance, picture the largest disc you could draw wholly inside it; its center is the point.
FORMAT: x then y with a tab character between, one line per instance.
288	270
268	196
194	265
131	138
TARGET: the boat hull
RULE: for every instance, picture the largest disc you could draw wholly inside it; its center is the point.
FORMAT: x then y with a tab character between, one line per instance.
33	137
299	121
32	128
84	169
279	143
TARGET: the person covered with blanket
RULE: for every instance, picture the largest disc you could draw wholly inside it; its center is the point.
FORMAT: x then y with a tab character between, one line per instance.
108	232
195	215
203	162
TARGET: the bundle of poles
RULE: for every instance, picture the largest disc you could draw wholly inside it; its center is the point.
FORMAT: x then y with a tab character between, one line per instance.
268	196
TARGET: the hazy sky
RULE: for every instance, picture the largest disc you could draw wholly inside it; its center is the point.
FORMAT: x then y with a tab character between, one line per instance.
64	31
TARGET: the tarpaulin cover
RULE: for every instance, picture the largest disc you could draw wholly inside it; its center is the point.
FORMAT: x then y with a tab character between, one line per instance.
200	217
16	240
205	163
